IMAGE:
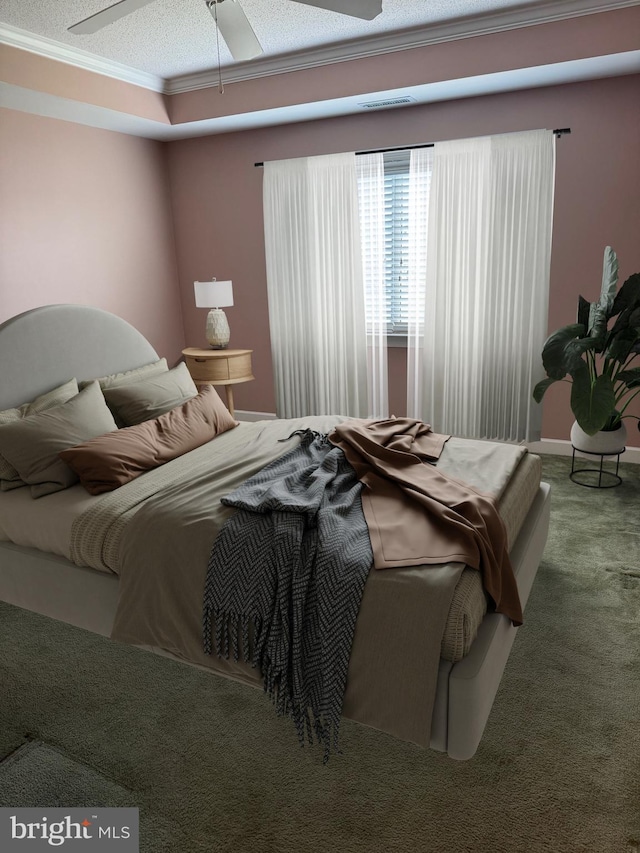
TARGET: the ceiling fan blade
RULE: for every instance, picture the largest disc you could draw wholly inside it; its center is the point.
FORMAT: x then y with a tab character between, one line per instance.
235	29
101	19
366	9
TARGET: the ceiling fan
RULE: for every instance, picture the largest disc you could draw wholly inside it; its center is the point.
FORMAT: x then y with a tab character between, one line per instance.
231	20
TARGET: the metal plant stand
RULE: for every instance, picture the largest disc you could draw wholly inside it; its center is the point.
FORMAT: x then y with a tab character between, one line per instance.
612	477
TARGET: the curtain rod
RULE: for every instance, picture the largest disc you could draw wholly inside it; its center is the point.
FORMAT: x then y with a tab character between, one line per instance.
559	131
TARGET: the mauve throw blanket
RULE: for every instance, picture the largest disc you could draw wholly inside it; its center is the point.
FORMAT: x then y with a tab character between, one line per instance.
417	515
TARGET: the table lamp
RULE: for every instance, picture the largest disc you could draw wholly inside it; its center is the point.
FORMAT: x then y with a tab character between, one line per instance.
215	295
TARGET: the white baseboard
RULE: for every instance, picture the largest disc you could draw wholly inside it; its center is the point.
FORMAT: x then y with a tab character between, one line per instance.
560	447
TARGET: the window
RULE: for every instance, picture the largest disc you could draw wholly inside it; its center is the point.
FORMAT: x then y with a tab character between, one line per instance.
397	264
396	242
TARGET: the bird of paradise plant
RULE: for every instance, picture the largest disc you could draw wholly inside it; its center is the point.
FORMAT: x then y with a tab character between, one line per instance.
597	355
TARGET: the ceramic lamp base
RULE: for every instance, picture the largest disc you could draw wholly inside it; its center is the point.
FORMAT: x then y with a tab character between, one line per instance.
218	332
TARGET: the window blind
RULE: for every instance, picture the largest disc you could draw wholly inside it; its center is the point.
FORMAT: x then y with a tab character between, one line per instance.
396	240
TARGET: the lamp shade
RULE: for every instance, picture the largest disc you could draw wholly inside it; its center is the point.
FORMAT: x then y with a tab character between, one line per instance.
213	294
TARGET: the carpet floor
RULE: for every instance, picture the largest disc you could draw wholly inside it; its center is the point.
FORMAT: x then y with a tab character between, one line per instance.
37	773
212	769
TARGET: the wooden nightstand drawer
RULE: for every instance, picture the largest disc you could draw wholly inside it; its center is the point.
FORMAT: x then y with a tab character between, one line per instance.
219	367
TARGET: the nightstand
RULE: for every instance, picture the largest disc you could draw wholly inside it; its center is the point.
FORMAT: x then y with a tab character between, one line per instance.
225	367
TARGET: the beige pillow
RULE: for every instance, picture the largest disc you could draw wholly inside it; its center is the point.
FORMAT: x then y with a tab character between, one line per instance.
33	443
9	478
152	397
108	461
130	376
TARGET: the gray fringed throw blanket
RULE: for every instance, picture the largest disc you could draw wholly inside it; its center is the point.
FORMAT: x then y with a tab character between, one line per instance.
285	580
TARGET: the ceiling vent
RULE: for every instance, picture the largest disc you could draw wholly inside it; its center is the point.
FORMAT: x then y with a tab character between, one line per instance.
388	102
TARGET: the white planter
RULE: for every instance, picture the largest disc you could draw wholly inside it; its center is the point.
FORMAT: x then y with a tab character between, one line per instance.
605	442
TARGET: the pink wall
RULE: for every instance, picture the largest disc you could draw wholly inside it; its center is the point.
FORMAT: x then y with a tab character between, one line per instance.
574	38
217	203
85	217
87	213
31	71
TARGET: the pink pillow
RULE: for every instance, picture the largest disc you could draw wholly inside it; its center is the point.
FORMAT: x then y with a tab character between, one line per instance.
110	460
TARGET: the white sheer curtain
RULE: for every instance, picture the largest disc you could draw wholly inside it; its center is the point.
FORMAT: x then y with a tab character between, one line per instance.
420	173
477	356
315	286
370	171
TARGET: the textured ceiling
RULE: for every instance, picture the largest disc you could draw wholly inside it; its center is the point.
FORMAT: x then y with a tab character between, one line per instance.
170	38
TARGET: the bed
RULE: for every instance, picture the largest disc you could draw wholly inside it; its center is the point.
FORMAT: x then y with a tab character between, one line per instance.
40	570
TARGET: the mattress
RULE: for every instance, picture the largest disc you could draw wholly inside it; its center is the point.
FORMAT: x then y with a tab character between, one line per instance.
469	603
45	524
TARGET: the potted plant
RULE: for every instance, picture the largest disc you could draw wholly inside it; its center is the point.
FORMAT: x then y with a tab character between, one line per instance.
597	354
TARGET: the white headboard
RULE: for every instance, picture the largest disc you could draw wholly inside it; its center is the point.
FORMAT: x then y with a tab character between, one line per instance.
47	346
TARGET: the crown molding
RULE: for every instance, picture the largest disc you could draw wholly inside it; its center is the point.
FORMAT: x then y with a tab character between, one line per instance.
549	12
15	37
